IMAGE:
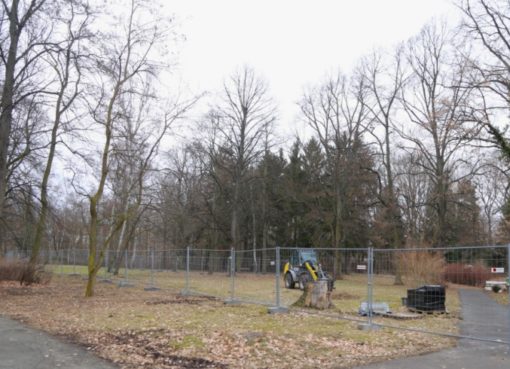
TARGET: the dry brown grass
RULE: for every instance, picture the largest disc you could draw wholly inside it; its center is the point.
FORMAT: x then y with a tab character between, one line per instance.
23	272
501	297
139	329
422	267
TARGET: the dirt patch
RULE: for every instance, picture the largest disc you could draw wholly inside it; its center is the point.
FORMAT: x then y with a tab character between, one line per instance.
179	299
16	289
140	329
150	349
345	296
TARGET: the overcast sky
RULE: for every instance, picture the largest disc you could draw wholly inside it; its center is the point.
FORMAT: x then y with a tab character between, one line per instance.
291	43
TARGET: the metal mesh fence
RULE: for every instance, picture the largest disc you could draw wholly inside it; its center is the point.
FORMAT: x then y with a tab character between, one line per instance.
460	291
457	291
255	280
207	273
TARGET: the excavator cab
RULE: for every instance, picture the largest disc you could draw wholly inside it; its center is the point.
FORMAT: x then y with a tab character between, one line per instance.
302	268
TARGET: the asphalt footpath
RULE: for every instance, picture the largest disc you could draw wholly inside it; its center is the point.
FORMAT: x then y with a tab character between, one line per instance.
26	348
482	317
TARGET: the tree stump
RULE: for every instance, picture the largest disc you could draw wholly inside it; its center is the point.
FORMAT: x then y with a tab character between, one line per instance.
315	295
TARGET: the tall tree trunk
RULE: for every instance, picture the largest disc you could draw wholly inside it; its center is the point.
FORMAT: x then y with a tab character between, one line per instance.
265	233
91	281
254	231
41	222
264	220
234	226
6	102
338	233
120	244
93	263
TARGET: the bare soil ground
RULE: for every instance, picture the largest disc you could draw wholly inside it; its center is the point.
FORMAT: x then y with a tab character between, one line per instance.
162	329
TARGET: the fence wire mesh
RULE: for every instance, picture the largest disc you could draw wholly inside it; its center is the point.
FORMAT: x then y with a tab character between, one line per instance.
451	291
457	291
208	272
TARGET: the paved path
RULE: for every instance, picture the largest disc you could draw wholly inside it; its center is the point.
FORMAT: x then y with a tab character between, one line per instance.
481	317
26	348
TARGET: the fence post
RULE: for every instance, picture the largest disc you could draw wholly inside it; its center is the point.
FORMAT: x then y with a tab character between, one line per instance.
231	300
125	282
370	285
232	274
152	285
186	285
152	267
74	260
370	291
278	308
61	262
106	264
126	265
277	278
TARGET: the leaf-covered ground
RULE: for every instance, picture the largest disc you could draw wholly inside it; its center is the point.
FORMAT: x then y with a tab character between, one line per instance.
139	329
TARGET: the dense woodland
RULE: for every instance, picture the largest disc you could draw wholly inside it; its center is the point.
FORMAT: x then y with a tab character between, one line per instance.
97	152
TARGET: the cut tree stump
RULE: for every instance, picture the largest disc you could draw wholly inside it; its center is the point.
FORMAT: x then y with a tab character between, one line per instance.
315	295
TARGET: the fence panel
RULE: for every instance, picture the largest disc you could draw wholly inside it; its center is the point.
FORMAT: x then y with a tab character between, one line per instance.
441	290
466	290
208	272
255	279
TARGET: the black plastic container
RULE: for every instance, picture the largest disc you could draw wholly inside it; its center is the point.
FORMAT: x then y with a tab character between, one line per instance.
427	298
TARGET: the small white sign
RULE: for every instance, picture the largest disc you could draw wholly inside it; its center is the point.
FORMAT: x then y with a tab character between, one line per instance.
497	270
361	267
272	263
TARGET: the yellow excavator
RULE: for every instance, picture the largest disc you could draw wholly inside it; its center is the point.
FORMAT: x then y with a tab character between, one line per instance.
302	268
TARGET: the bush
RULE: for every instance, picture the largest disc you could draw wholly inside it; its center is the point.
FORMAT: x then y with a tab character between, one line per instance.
496	288
10	270
23	272
422	267
467	274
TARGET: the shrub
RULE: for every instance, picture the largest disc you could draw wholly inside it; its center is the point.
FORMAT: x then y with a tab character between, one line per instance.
496	288
10	270
467	274
421	267
22	271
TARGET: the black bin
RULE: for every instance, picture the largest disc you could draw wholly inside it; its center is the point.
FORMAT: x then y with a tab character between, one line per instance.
427	298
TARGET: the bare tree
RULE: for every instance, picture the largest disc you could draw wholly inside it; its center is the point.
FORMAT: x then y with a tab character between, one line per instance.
385	80
136	145
126	67
26	143
19	50
244	116
438	108
338	114
414	186
488	23
492	187
65	58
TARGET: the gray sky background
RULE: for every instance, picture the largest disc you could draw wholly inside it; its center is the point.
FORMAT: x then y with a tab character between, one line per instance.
291	43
